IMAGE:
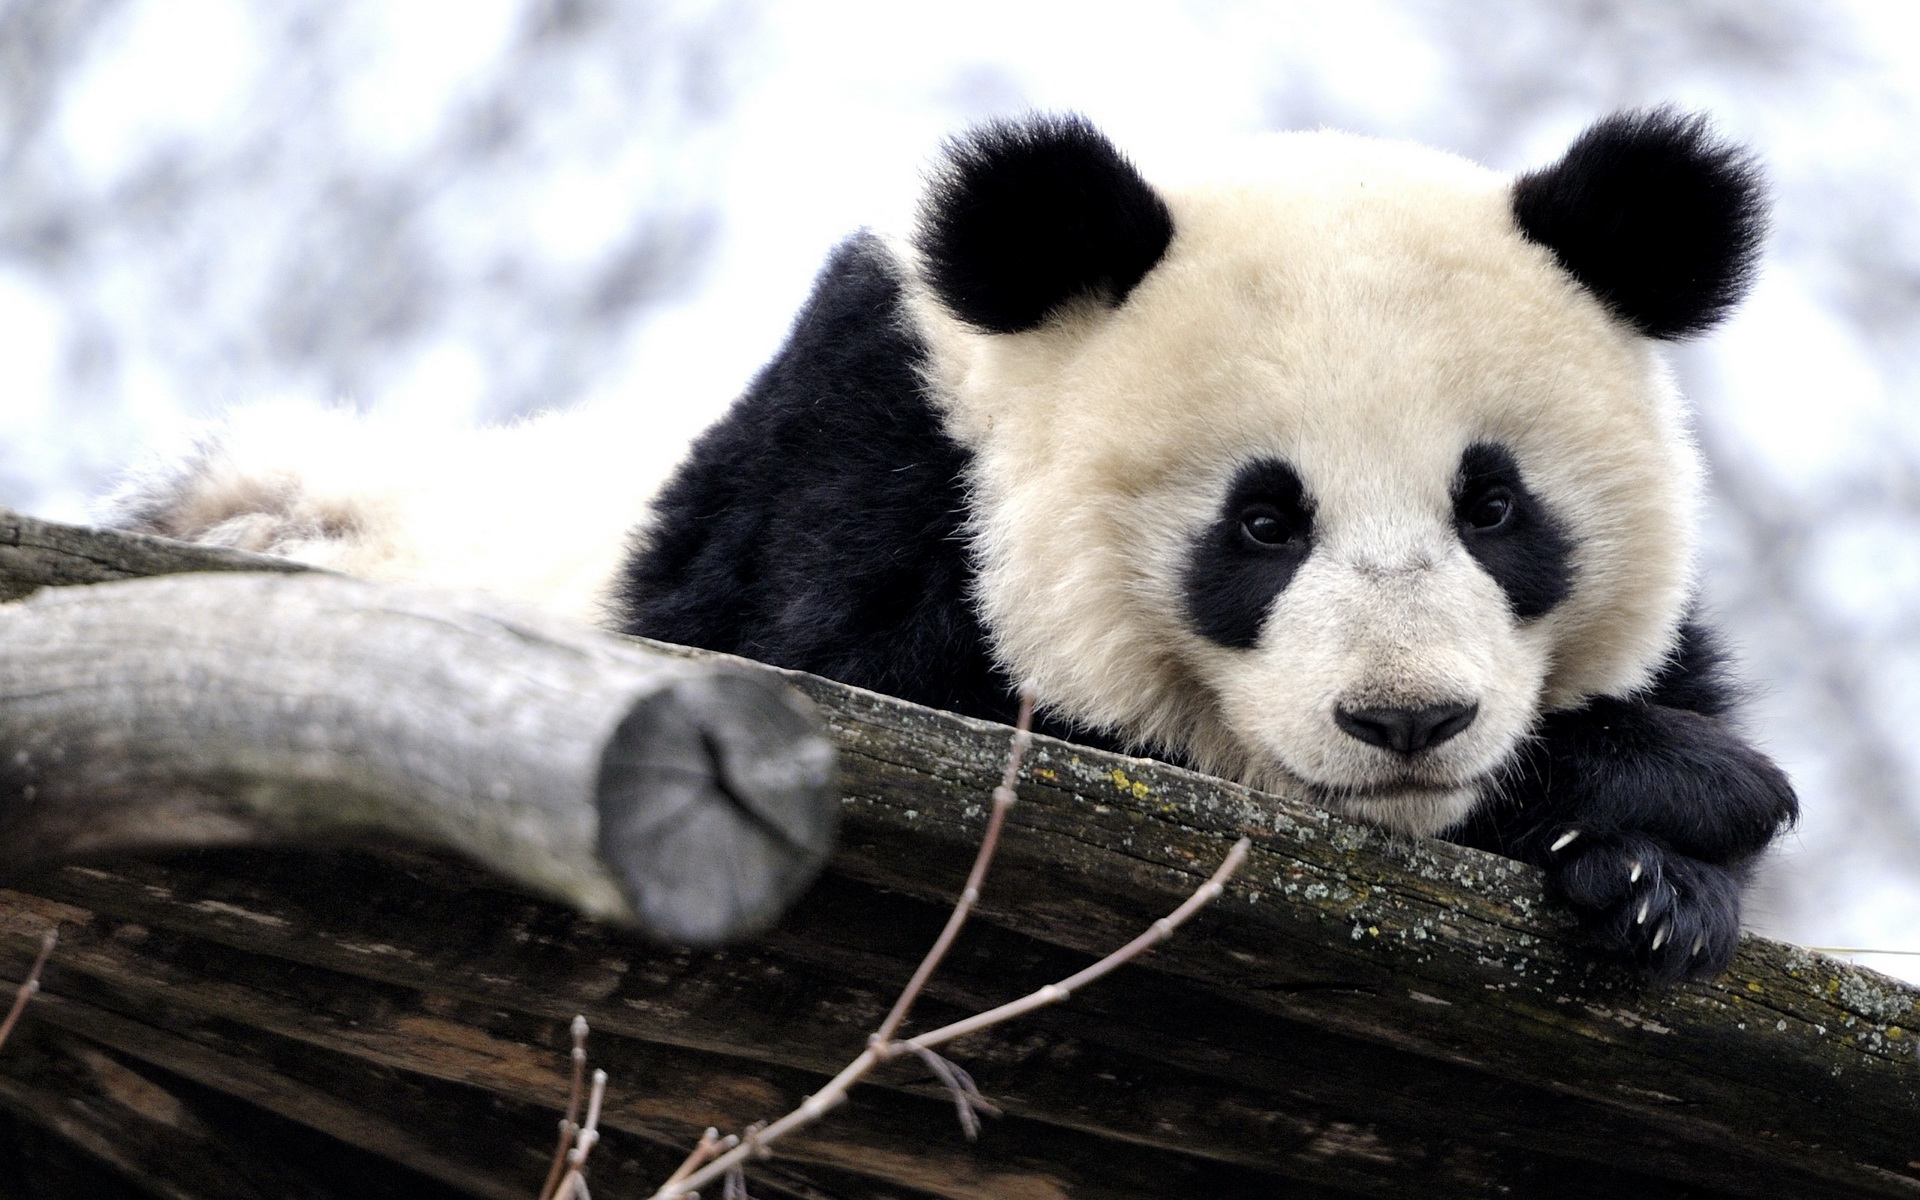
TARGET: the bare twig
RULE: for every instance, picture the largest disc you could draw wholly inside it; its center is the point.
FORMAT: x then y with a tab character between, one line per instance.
1003	797
814	1106
1859	950
568	1125
711	1144
29	985
1053	993
736	1188
574	1185
967	1100
884	1047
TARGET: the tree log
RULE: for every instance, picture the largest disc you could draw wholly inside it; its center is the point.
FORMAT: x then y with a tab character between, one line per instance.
1361	1015
695	799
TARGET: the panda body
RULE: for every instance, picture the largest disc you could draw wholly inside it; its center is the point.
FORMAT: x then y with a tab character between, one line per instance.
1357	471
1352	470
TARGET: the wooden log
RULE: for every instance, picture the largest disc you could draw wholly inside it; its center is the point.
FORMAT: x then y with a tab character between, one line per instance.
695	799
1361	1015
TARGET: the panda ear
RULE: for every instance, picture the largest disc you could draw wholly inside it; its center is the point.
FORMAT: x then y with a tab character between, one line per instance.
1655	215
1027	215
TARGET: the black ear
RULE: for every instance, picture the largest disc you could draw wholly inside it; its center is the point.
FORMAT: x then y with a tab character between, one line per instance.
1658	217
1026	215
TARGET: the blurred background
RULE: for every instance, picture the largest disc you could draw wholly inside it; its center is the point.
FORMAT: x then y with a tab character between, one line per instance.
467	210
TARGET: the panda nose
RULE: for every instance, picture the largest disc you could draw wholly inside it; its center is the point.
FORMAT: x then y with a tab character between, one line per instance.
1406	730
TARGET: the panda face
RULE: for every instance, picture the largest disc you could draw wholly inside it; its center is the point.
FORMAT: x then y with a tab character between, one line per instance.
1408	630
1355	484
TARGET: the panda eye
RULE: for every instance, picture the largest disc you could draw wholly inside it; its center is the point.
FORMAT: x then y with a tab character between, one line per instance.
1265	527
1492	511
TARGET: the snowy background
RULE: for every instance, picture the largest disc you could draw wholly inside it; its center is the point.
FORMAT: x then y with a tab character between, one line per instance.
465	210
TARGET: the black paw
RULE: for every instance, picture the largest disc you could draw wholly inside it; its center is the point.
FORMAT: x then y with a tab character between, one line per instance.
1672	916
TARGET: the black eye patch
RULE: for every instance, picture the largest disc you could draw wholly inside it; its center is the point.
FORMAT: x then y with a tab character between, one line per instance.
1510	532
1248	554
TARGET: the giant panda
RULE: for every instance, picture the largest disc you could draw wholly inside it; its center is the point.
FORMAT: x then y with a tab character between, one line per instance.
1348	467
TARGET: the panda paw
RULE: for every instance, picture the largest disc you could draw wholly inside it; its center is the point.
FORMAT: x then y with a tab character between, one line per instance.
1672	916
274	478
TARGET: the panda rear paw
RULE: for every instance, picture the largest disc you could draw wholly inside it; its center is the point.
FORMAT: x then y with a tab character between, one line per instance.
274	478
1672	916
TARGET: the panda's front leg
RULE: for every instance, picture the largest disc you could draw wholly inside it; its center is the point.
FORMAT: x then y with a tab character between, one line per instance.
1647	819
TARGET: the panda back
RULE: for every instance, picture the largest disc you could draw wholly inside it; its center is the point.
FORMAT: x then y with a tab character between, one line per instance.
821	525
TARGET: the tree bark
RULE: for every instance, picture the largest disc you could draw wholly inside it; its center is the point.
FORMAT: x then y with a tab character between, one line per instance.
1360	1015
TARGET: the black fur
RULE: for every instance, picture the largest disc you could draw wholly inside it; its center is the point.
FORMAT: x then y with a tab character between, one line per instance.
1527	553
1658	779
1233	575
820	525
1698	675
1654	214
1028	215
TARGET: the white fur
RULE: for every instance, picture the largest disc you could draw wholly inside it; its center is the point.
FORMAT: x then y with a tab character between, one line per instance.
539	511
1363	310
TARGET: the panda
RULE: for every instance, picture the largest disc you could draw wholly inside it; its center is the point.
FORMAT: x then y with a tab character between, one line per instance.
1346	467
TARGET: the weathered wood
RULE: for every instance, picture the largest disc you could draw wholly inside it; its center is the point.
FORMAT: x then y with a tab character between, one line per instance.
36	554
185	1141
692	798
1192	1089
1360	1016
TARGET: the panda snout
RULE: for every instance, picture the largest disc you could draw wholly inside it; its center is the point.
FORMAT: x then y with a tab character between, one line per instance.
1406	731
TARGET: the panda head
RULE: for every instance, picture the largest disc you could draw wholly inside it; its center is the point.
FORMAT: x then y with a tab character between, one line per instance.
1341	468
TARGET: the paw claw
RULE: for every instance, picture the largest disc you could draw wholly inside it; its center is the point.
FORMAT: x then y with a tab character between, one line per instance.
1699	943
1660	938
1563	841
1640	918
1633	876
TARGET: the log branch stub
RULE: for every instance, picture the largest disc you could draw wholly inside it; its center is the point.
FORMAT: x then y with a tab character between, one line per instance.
716	804
209	709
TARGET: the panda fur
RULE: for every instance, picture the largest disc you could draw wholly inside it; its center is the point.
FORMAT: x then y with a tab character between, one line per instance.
539	511
1358	470
1352	469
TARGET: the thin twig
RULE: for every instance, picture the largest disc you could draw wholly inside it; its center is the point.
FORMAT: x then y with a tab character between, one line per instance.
574	1184
29	985
736	1186
1859	950
568	1127
968	1103
828	1097
1053	993
711	1143
1003	797
814	1106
